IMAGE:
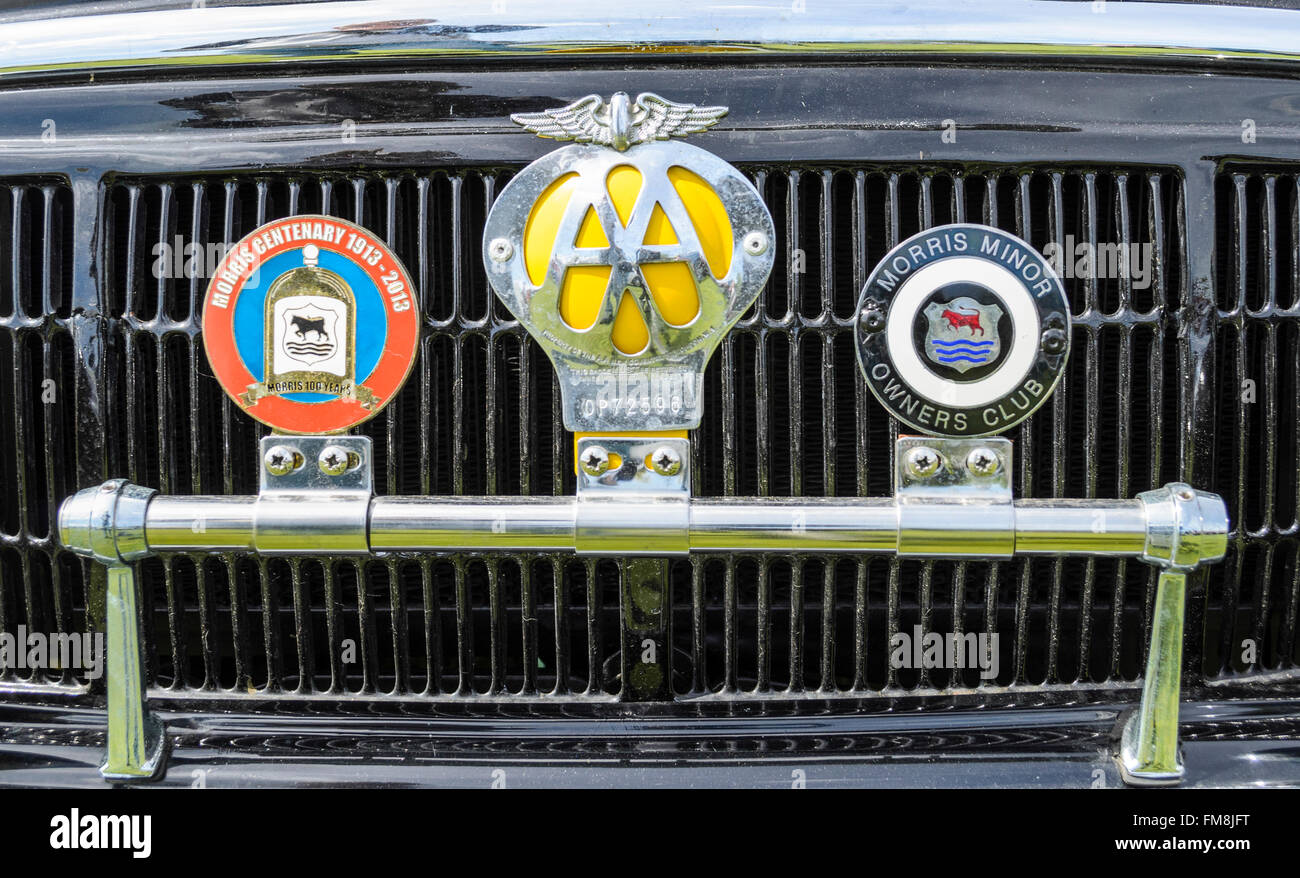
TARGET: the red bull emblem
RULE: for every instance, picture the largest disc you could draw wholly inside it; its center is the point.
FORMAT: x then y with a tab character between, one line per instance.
958	319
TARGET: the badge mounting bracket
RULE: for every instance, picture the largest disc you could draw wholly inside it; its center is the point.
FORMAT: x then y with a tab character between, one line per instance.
331	473
964	504
639	507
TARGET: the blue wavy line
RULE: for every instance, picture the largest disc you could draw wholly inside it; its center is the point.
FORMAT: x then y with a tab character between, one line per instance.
962	341
985	354
963	357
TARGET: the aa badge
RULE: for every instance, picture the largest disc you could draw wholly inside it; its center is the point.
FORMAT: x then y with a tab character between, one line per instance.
628	255
310	324
963	330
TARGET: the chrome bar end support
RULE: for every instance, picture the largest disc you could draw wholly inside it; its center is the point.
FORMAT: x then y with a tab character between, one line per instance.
107	524
1185	528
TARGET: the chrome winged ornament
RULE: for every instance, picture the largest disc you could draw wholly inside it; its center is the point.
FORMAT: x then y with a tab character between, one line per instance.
620	123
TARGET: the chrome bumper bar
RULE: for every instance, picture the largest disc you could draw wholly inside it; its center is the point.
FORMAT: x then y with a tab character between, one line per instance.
953	499
1139	528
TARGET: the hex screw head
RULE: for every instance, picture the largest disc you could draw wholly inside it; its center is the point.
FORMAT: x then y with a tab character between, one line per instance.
334	460
666	461
280	460
595	461
983	461
755	243
922	462
500	250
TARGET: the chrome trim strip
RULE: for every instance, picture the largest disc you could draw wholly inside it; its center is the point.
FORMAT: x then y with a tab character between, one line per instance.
209	33
1115	528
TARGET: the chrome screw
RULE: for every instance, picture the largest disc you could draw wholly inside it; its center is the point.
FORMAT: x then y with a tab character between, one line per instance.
500	250
595	461
281	460
1053	341
334	460
666	461
983	462
755	243
922	462
872	316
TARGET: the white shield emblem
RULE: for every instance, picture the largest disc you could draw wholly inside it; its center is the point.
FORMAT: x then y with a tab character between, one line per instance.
963	334
308	334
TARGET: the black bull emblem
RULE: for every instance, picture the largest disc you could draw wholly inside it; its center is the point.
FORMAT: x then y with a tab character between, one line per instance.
304	325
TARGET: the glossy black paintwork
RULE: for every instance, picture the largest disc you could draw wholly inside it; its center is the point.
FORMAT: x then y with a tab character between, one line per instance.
1224	744
822	113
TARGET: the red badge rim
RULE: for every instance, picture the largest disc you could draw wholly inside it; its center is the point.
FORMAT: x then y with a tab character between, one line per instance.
291	417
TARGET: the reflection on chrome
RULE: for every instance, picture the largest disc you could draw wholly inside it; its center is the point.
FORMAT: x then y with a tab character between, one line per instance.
215	34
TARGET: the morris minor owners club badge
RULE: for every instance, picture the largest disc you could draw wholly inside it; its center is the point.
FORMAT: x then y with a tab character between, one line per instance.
963	330
628	256
310	324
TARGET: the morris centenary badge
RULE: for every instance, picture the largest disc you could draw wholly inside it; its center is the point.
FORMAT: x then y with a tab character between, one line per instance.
628	257
310	324
963	330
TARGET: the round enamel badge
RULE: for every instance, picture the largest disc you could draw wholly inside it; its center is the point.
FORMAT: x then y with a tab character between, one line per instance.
963	330
310	324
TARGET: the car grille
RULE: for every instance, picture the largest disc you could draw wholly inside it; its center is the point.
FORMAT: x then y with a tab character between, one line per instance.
1258	411
41	586
787	414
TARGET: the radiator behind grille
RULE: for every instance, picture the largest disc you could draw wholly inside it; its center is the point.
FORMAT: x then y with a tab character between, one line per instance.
786	415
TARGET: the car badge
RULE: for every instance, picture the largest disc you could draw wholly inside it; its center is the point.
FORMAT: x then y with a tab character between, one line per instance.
963	330
310	324
628	256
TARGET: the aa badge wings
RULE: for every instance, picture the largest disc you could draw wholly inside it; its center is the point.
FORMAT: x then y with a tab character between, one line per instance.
620	123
